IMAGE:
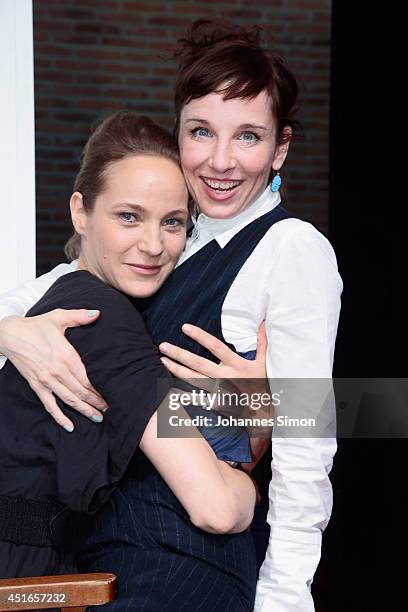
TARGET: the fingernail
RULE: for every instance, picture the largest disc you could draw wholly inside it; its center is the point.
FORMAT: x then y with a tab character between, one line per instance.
164	361
98	418
164	347
186	327
69	428
92	313
103	408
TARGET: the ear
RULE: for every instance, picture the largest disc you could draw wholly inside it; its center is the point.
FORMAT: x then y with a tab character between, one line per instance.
282	149
78	212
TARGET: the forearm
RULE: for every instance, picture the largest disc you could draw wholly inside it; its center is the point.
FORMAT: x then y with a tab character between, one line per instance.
218	498
18	301
241	492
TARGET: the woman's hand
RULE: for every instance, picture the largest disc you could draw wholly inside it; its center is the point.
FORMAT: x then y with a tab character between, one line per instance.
186	365
249	376
39	350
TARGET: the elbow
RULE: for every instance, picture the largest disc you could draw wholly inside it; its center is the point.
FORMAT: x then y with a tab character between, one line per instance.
213	524
221	520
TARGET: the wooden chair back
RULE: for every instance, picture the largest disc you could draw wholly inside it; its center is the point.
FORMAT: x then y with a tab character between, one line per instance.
69	592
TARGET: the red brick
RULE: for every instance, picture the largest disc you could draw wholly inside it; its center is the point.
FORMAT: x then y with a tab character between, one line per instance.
304	5
42	75
106	53
267	3
145	7
52	103
191	10
125	93
316	30
125	69
40	36
69	13
123	42
52	50
42	63
100	79
80	65
167	20
100	5
51	25
97	28
73	38
145	32
101	104
78	90
249	14
322	17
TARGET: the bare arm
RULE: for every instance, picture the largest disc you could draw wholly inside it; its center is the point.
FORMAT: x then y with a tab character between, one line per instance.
217	497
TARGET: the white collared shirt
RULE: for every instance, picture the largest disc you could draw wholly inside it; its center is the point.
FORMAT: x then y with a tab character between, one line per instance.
291	281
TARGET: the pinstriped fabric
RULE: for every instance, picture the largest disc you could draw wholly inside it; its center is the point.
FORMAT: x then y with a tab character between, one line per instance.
143	534
163	562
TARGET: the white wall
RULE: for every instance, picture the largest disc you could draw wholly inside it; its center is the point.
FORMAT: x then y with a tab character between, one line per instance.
17	168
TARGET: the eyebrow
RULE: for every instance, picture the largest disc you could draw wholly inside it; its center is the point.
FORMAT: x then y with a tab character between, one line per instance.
141	209
244	126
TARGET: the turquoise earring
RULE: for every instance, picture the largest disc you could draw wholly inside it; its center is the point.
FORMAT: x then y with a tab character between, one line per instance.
276	183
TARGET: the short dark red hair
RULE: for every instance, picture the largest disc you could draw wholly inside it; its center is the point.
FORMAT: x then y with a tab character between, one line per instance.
230	59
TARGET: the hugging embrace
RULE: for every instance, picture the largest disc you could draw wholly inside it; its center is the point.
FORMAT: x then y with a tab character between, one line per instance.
181	246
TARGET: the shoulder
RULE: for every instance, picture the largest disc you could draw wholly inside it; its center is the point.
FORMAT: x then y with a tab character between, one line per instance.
80	289
293	240
295	233
294	251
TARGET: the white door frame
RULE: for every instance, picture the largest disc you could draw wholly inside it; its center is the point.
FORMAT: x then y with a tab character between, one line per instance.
17	153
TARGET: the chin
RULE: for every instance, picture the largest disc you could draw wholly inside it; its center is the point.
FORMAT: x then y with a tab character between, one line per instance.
141	291
220	211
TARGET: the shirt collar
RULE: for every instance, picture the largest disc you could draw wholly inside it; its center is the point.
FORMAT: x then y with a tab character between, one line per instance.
224	229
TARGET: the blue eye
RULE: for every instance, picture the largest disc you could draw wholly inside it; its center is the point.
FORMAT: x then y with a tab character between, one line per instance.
127	217
249	137
173	222
200	131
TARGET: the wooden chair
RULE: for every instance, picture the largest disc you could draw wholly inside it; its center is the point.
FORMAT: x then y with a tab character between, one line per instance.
71	592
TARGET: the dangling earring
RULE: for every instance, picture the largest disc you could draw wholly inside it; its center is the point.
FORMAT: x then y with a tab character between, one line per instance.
276	183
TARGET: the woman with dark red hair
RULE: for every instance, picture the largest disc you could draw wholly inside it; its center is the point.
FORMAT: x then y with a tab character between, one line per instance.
246	260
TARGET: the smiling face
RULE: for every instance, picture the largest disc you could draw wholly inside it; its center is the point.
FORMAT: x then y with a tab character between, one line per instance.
227	149
136	231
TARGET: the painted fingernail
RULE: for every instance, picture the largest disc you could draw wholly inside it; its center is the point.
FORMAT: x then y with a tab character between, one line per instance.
92	313
164	347
98	418
164	361
69	428
103	408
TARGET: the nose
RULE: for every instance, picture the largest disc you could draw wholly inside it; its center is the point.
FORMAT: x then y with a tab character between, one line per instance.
151	242
222	157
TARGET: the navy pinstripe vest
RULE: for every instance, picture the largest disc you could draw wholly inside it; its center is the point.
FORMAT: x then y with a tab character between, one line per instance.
196	290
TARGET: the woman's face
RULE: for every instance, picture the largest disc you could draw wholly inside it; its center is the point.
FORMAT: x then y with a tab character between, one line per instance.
228	148
136	232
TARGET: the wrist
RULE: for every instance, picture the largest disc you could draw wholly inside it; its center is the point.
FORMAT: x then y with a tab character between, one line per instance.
4	329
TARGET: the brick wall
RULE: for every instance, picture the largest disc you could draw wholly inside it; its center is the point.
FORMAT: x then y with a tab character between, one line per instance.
94	56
